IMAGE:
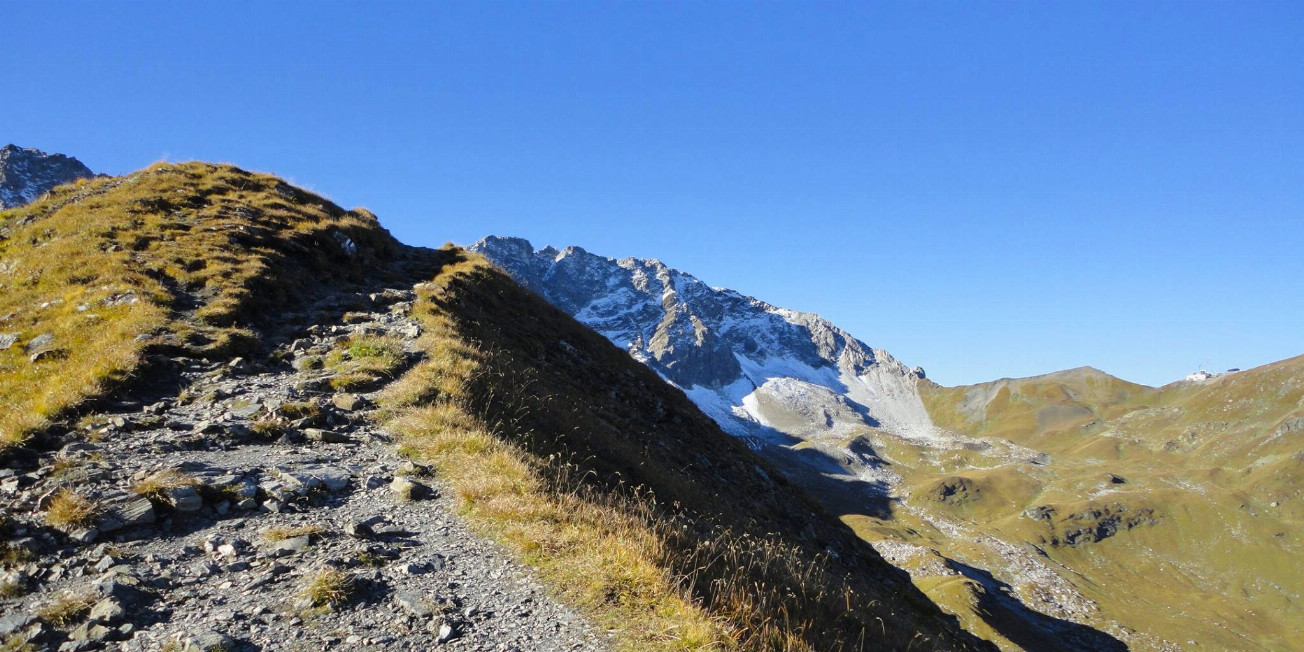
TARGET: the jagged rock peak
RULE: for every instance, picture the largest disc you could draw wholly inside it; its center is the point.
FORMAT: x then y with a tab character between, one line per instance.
27	173
701	337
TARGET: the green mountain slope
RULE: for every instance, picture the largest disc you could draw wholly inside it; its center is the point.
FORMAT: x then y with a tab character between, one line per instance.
1175	510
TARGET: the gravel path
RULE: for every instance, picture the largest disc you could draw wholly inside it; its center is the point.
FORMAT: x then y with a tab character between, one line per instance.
221	559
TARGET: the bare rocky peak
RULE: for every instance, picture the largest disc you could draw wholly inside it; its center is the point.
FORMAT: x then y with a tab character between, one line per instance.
727	350
27	173
692	333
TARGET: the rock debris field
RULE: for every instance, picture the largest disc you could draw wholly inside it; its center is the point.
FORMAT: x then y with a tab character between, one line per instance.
208	530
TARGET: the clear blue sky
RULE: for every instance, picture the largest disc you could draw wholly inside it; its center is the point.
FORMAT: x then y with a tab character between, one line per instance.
983	189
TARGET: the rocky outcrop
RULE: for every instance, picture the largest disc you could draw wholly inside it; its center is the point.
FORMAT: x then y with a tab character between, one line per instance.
27	173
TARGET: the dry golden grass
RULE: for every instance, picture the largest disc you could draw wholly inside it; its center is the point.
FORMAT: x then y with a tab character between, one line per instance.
525	460
329	586
69	509
157	484
175	258
66	610
299	409
12	589
274	534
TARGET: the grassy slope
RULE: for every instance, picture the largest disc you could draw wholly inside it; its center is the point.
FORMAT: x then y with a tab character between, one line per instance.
630	500
628	497
1204	461
172	259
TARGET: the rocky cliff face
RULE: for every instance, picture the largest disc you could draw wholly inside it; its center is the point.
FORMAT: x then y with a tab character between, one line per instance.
792	385
27	173
751	365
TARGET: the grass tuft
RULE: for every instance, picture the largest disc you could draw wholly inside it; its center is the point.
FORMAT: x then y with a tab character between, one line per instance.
66	610
274	534
12	589
69	510
299	410
364	361
329	586
156	486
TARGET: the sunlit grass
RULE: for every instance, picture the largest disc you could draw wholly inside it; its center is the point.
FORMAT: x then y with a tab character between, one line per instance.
172	258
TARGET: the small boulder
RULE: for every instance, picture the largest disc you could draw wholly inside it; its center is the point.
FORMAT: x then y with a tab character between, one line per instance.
126	511
414	603
326	436
290	546
348	402
408	489
40	342
360	529
443	631
185	498
107	611
208	641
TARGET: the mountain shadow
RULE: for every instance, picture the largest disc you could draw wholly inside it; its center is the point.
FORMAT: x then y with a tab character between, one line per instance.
1028	628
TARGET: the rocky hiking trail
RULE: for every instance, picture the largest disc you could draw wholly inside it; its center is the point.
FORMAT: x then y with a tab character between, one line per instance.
247	505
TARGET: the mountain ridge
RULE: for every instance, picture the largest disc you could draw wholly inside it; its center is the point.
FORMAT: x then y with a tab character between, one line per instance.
235	397
27	173
713	343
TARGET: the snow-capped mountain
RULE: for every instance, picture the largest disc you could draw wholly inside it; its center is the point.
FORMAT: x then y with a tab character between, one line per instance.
27	173
766	374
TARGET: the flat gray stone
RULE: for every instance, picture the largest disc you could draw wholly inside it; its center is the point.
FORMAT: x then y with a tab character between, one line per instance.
291	546
42	341
127	511
326	436
414	603
185	499
209	641
348	402
247	411
15	621
107	611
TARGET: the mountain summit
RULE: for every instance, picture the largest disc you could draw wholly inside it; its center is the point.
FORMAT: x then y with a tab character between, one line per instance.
747	363
27	173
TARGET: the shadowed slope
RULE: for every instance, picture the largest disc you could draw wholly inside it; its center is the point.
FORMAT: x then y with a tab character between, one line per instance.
615	470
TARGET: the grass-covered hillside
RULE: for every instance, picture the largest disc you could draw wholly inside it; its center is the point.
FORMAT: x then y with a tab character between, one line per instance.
634	506
174	259
627	496
1177	510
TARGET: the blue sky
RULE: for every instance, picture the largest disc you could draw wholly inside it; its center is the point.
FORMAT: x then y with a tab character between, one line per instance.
983	189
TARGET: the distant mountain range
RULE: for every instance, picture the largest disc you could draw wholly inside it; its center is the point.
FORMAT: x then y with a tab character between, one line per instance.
27	173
